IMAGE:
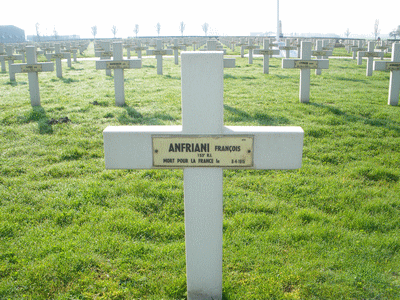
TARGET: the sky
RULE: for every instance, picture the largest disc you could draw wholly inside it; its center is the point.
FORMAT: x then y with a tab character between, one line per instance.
224	17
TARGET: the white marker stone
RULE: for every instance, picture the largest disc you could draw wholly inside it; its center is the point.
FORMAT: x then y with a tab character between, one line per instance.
305	64
58	55
10	57
369	54
159	52
118	64
394	67
267	53
203	146
32	67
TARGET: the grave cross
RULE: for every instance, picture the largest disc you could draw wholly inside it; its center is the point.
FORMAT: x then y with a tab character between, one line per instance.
305	64
267	53
105	54
10	57
3	62
203	146
369	54
287	48
319	53
176	49
251	47
394	68
32	67
159	52
139	48
118	64
58	55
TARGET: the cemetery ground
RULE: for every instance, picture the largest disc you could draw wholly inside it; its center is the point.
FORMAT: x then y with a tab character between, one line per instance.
69	229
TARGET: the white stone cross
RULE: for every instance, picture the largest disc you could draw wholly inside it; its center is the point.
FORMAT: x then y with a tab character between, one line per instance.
32	67
118	64
58	55
203	147
105	54
2	54
369	54
139	48
251	47
10	57
394	68
176	49
287	48
305	64
267	53
159	52
319	53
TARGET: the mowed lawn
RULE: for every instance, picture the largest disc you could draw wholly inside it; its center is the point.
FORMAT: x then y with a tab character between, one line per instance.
69	229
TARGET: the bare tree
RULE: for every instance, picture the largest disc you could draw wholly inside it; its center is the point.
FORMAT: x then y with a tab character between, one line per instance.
158	28
205	28
182	27
114	30
347	32
377	31
37	31
136	30
94	31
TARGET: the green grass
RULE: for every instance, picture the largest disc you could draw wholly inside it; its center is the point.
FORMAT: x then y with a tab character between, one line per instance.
69	229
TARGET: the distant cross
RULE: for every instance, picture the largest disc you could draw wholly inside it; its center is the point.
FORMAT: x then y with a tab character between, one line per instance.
266	52
32	67
159	52
105	54
251	47
203	147
319	53
369	54
394	68
118	64
2	54
287	48
176	49
10	57
139	48
305	64
58	55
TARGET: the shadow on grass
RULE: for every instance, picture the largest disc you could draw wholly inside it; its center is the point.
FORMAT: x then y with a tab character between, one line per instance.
388	124
260	117
38	114
65	80
132	116
15	83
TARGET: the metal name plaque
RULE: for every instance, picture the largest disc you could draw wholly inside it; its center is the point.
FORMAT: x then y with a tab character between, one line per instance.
202	151
117	65
58	55
106	54
305	64
393	66
266	52
159	52
371	54
31	68
318	53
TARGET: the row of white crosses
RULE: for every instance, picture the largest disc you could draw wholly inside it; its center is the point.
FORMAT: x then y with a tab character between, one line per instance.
58	55
198	147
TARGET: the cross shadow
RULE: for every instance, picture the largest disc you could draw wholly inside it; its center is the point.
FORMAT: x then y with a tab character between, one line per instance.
132	116
15	83
388	124
261	118
38	114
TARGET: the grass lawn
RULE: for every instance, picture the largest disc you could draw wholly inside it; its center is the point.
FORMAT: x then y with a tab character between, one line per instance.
69	229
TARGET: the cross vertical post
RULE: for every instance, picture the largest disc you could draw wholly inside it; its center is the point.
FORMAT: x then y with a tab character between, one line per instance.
244	147
394	68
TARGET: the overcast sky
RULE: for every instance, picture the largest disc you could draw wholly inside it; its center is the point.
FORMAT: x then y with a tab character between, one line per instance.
224	17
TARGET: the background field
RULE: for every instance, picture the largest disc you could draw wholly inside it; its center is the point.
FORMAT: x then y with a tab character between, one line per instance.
69	229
